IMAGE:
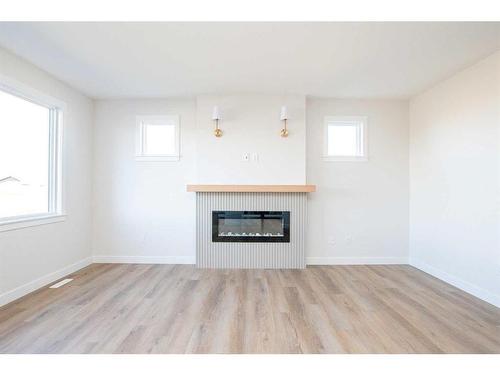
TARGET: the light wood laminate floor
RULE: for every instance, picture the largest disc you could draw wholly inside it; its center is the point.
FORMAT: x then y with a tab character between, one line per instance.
180	309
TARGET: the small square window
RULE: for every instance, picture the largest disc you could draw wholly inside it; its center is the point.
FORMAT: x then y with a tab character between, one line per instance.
345	138
157	138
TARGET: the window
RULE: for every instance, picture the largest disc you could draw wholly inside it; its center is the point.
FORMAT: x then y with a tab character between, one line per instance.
345	138
157	138
30	168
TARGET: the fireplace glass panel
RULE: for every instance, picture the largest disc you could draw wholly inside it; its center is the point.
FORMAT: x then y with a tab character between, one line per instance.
251	226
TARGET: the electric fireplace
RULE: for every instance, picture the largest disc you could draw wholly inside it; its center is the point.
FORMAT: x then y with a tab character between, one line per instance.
250	226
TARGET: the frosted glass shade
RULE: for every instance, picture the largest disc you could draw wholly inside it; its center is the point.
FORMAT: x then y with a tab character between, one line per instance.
216	113
284	113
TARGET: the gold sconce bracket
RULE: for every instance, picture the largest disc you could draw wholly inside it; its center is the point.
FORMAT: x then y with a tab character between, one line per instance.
284	131
217	131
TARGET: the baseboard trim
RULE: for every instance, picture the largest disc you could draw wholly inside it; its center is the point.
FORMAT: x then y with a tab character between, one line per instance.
27	288
354	260
457	282
144	259
132	259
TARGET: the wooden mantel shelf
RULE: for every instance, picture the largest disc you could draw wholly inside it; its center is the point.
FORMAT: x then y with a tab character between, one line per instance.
251	188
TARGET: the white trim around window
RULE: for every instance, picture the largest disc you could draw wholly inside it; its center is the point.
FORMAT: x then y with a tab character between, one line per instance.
30	221
360	123
172	151
55	211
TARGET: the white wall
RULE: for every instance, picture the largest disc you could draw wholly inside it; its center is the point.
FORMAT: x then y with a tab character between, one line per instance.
142	211
32	257
360	212
157	223
251	124
454	174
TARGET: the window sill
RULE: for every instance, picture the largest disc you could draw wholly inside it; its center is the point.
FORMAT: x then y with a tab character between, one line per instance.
345	158
32	221
157	158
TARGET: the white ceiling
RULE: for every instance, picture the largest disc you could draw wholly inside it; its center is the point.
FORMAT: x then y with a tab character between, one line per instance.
386	60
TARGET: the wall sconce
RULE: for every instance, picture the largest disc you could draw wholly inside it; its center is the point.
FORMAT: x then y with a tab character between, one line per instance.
216	117
284	117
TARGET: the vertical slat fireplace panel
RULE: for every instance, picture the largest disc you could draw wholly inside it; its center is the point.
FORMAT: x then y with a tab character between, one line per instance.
250	254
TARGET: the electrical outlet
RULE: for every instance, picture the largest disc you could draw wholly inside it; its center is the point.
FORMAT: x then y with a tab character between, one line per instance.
348	238
245	157
331	241
255	157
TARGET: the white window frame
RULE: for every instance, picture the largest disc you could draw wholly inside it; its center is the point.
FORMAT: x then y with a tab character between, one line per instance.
362	121
56	198
140	146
